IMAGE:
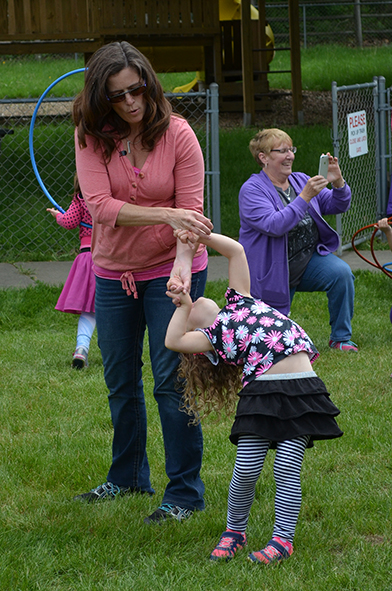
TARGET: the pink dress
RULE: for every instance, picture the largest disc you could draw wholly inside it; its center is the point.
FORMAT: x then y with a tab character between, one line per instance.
78	293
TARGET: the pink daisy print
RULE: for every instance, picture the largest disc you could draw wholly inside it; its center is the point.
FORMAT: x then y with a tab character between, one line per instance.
251	320
244	343
294	330
227	335
263	368
278	347
233	295
300	347
255	358
240	315
279	314
272	338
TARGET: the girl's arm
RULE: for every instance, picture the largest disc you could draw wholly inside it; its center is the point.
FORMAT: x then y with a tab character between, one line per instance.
72	217
239	278
177	339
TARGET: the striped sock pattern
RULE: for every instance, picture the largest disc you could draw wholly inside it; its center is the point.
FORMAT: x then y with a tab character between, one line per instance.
251	453
288	497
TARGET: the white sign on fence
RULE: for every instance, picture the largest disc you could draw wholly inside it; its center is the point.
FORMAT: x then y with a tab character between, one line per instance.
357	134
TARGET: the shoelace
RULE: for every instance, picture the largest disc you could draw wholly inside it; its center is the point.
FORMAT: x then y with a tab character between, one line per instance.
272	552
226	542
107	489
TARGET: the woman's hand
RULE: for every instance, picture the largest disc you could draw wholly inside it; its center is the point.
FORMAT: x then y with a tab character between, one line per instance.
334	175
187	219
187	237
313	187
176	291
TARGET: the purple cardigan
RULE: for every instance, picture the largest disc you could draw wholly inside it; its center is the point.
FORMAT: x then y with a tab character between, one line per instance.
265	224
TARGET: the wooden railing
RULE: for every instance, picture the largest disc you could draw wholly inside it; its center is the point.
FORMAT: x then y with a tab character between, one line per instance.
33	20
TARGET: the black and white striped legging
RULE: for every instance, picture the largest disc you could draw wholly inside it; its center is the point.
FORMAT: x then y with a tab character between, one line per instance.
251	453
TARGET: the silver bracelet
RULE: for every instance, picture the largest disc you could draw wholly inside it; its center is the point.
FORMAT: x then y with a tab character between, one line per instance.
344	182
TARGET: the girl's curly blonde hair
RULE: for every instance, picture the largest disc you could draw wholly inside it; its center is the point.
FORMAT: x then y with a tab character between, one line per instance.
208	387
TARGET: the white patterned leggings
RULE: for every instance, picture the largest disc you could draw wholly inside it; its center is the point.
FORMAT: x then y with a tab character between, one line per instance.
251	453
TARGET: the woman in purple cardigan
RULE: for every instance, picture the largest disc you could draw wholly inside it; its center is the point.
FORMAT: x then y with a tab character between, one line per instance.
287	242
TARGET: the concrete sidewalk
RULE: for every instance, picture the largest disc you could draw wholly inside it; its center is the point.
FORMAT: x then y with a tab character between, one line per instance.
55	273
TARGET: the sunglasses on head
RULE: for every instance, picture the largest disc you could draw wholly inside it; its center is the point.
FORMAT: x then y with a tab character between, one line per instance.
118	98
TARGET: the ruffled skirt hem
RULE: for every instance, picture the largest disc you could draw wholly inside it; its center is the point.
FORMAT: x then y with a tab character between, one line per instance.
278	410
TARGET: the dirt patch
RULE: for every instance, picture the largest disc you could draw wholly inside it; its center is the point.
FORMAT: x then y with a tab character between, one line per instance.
316	106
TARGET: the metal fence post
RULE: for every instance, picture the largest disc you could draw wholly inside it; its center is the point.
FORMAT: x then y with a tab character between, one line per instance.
382	194
215	165
358	22
335	143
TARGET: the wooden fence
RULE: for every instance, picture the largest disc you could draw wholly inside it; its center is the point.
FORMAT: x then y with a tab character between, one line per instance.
38	26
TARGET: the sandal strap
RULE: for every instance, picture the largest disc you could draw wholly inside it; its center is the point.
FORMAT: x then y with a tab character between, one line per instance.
279	547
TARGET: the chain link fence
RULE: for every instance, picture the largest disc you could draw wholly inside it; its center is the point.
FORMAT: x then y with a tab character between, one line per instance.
28	232
358	23
361	116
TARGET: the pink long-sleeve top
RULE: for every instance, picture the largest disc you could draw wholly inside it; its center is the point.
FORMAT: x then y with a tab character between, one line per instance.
77	212
172	176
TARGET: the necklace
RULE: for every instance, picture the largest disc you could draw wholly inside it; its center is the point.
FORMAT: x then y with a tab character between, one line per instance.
133	144
287	192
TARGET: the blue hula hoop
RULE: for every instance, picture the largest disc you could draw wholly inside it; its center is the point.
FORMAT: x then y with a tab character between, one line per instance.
31	140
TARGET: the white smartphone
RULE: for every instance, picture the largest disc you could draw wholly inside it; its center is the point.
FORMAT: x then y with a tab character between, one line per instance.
323	165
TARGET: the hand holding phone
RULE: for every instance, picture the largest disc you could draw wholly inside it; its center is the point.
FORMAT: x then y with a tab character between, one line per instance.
323	165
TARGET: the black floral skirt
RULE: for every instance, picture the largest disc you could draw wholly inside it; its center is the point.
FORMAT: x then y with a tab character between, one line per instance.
281	409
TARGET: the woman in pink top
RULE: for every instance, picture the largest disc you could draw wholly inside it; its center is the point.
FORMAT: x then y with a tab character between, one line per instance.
141	172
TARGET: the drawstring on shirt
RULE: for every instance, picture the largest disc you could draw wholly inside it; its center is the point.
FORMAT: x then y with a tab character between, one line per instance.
128	283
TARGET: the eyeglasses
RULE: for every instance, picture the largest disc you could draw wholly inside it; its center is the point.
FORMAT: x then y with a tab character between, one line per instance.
293	149
118	98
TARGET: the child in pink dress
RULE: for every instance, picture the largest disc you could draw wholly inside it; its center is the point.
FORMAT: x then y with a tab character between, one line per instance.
78	294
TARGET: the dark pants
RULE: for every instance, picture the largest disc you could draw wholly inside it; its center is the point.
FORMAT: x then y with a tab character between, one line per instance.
121	324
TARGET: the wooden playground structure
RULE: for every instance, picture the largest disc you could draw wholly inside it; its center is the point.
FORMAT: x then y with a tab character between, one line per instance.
176	35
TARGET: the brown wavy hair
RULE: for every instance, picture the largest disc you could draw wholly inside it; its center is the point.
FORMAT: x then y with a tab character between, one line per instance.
207	387
92	112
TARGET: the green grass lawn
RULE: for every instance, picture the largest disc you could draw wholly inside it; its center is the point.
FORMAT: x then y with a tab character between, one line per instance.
320	65
55	439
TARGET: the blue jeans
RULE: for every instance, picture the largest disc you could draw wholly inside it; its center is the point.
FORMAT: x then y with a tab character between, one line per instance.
121	324
332	275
